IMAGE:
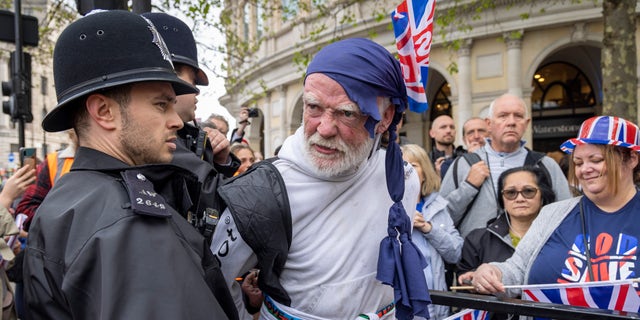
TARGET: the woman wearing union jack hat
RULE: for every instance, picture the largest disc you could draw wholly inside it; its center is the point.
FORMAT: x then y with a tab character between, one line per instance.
590	237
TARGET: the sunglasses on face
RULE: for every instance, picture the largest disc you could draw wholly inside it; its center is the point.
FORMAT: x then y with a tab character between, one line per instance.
527	193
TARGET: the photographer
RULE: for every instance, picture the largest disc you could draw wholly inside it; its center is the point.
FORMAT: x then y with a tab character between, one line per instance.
245	113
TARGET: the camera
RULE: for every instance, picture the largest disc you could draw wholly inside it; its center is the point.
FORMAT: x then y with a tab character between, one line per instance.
253	112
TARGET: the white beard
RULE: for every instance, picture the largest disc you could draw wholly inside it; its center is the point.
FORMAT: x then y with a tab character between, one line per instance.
346	160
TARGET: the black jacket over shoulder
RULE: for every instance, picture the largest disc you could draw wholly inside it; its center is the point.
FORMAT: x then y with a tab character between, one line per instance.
108	243
490	244
260	207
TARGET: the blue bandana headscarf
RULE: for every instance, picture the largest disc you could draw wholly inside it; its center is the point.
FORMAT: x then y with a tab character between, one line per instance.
366	70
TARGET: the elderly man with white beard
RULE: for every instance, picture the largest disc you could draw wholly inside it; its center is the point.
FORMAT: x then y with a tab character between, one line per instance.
324	222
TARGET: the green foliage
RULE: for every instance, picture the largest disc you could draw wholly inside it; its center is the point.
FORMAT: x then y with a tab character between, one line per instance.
324	22
6	4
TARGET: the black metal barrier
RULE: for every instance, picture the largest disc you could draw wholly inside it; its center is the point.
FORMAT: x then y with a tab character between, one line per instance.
524	308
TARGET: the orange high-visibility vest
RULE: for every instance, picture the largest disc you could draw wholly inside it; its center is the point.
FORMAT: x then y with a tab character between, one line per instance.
57	169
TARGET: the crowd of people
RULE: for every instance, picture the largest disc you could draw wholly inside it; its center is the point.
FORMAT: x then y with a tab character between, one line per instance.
149	214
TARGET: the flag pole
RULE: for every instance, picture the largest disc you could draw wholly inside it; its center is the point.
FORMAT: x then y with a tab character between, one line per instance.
524	286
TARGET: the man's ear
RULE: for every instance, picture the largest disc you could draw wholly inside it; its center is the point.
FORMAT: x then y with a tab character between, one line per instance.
102	110
387	118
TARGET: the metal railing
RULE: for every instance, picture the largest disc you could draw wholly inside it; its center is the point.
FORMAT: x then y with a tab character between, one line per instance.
524	308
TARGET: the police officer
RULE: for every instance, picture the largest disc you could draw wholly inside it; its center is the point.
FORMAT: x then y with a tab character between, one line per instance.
108	241
205	153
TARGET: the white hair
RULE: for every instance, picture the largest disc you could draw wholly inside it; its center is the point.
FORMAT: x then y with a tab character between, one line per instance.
522	102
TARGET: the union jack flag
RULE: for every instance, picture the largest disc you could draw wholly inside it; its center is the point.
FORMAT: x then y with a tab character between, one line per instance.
469	314
612	295
413	28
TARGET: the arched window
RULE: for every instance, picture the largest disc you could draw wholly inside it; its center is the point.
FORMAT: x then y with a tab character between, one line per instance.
441	104
560	85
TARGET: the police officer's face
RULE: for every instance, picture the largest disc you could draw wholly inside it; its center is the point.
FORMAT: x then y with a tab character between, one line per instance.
149	124
186	106
336	138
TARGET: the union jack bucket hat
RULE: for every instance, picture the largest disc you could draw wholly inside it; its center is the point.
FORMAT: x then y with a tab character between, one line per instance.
605	130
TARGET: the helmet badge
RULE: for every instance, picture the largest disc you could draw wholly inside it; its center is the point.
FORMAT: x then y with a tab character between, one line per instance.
157	39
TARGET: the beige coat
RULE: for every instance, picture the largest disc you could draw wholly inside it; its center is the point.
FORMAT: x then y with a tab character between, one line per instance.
7	228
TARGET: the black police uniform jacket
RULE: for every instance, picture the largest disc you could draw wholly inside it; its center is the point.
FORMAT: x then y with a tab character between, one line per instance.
107	243
194	153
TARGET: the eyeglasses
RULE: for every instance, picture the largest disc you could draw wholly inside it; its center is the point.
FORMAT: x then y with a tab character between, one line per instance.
527	193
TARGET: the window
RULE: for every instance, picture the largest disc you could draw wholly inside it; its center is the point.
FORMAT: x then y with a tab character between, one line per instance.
289	9
246	20
560	85
441	104
260	16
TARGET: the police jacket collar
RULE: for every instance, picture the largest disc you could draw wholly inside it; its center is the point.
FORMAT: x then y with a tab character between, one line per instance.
91	159
169	180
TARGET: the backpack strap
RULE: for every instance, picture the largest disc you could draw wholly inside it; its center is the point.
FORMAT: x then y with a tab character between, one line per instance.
534	158
471	158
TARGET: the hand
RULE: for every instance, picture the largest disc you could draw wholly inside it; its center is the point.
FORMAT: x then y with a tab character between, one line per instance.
438	165
465	278
17	184
487	279
17	245
420	224
220	145
478	172
244	115
473	146
251	290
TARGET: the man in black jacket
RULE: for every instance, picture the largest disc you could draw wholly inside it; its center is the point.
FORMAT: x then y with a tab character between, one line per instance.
203	151
108	241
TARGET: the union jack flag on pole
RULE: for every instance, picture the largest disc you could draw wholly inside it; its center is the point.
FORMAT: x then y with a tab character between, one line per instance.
469	314
413	28
612	295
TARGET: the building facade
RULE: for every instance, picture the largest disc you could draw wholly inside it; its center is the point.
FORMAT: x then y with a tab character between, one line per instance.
43	97
551	58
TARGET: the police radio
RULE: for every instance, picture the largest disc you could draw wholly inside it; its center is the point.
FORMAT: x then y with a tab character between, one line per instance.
200	143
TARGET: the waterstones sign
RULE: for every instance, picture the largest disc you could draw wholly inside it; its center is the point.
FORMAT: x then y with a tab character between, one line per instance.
556	128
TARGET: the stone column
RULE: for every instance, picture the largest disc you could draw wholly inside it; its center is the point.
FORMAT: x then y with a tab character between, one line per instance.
267	114
463	110
283	113
514	61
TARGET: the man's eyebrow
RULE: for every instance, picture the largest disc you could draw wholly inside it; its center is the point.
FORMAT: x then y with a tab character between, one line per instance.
309	98
167	97
348	107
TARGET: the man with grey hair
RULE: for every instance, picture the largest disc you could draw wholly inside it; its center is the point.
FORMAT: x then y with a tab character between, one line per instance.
472	197
474	132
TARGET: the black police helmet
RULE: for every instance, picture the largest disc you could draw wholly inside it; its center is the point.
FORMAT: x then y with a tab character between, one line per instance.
179	39
103	50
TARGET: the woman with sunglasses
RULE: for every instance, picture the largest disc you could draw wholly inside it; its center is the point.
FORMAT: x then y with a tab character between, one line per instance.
587	238
524	191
